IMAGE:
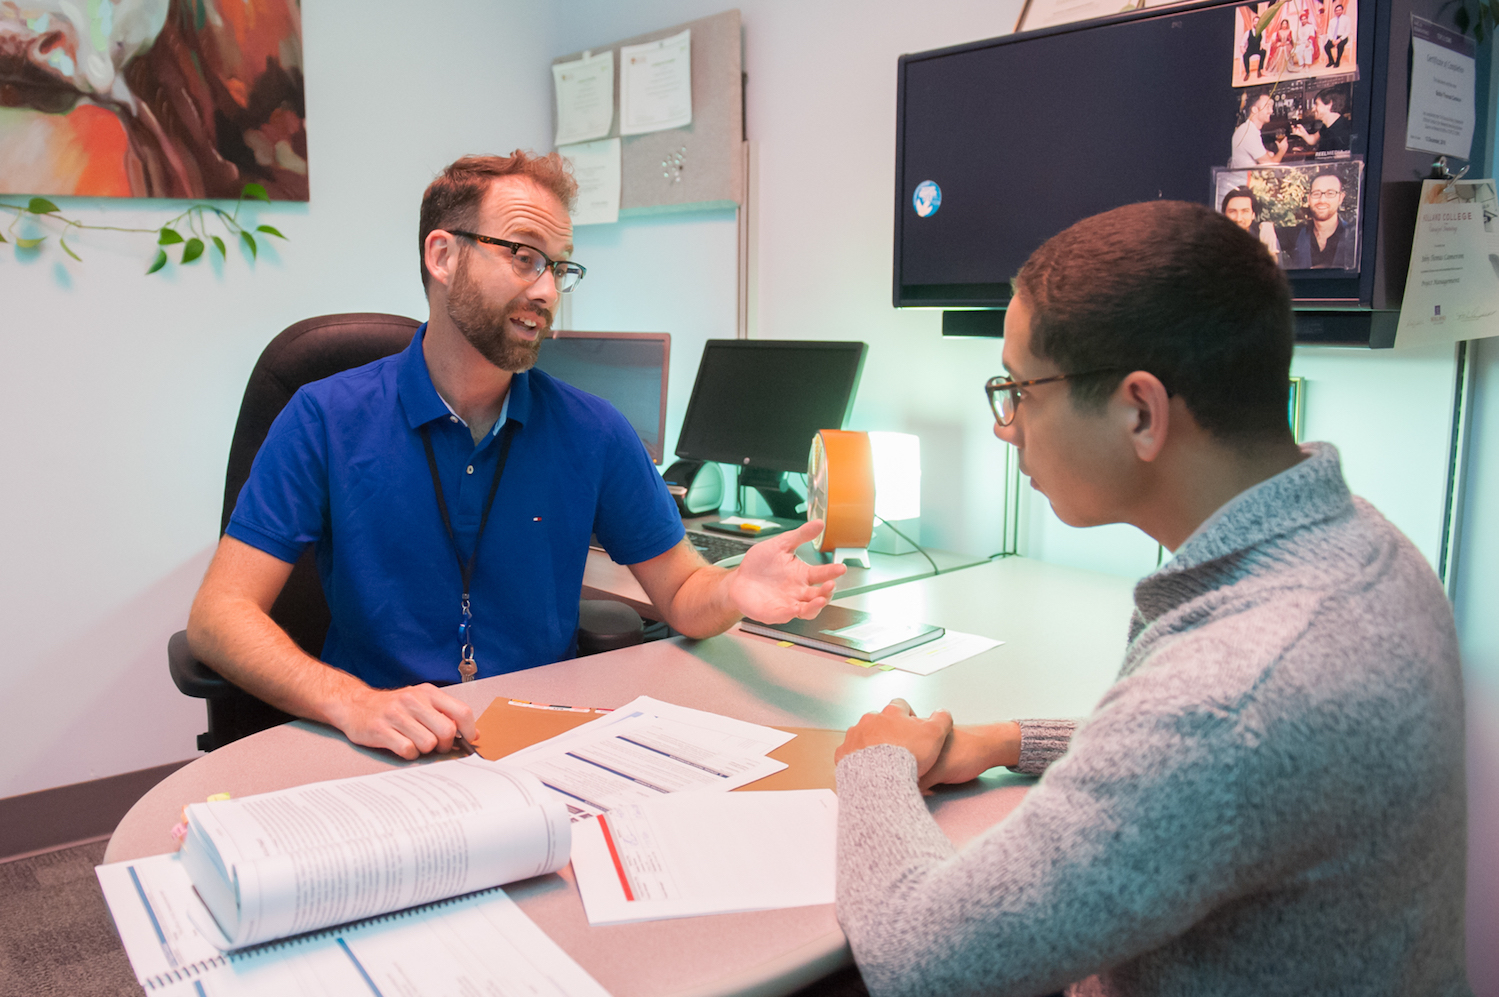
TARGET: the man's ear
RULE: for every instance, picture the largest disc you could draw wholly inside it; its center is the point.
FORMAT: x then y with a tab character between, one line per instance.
440	253
1147	410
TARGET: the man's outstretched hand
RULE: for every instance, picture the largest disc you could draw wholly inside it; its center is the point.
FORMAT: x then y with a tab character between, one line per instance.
411	722
773	585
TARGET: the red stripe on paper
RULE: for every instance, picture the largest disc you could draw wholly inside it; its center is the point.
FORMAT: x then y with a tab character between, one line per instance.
624	881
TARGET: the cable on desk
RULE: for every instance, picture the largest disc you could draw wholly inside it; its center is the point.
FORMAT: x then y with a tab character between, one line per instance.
919	549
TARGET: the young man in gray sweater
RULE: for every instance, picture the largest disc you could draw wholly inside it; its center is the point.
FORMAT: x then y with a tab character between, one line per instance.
1270	799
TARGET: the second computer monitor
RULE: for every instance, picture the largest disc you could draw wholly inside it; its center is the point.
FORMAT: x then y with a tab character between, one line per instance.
757	403
626	369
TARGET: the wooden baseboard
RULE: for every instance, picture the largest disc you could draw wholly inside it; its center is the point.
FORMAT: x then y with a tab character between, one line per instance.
54	817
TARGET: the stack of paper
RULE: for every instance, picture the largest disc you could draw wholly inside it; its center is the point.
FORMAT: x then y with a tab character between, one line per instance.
691	854
646	749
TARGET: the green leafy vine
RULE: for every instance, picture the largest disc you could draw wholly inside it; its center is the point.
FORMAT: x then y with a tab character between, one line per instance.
194	220
1485	16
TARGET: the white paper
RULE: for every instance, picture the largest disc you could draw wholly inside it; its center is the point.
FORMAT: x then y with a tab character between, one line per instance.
482	943
585	97
1441	103
332	852
596	167
1046	13
655	85
648	749
686	855
1452	289
949	649
152	901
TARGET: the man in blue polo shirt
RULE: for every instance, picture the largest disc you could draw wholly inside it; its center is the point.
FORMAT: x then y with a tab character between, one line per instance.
450	491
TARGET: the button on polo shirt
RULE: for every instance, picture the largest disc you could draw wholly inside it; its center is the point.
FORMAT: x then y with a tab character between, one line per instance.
343	469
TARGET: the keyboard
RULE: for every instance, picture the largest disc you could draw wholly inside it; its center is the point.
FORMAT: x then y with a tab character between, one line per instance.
716	548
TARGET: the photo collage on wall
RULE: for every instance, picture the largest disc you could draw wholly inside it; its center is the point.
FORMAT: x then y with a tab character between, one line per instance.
1289	173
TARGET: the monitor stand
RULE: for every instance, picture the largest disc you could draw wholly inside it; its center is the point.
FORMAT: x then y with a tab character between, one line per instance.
778	496
775	490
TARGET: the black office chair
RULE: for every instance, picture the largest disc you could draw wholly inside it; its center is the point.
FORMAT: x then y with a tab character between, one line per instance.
308	351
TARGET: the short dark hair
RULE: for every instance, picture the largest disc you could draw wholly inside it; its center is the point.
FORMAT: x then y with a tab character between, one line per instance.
1254	202
452	200
1328	171
1176	290
1335	98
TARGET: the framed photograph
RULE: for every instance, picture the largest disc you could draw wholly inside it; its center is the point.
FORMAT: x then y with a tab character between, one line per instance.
1294	120
153	98
1278	40
1307	216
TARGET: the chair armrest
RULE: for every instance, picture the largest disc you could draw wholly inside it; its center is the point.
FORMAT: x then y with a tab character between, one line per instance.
194	678
604	625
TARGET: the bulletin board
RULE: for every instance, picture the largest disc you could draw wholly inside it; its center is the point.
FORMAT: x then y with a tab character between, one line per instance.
700	166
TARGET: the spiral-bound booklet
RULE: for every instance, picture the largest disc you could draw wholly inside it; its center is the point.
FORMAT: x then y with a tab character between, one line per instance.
407	861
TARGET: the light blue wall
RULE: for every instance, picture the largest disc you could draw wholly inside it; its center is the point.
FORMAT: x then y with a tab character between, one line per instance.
118	392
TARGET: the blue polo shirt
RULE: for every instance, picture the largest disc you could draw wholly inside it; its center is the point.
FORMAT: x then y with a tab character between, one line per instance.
343	468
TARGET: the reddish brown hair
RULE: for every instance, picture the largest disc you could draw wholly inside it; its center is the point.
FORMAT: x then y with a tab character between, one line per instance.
452	200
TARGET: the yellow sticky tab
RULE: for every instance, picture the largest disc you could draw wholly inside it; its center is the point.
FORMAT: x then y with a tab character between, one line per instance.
861	664
216	797
750	527
887	668
784	643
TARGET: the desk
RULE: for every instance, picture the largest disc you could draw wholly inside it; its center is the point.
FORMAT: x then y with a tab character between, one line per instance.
603	579
1056	661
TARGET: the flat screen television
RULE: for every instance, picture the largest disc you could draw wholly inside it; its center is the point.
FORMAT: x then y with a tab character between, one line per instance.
1015	138
627	369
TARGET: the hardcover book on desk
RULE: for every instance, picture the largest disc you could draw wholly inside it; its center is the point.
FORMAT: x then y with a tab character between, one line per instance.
848	633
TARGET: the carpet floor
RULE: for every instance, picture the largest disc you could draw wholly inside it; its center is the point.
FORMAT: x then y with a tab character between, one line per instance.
56	936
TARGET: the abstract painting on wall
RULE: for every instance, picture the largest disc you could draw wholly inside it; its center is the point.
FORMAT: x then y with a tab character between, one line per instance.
152	98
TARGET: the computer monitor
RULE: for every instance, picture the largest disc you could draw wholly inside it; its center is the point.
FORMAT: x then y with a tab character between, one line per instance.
757	403
626	369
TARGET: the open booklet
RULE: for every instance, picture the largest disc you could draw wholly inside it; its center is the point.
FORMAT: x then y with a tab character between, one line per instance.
301	859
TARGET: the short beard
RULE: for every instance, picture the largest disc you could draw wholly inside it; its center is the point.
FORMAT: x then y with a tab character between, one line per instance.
487	327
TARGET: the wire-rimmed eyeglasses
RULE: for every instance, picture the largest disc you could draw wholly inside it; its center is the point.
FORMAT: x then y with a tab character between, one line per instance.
1004	392
530	262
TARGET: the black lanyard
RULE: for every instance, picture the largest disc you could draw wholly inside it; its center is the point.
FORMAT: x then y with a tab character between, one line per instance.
467	667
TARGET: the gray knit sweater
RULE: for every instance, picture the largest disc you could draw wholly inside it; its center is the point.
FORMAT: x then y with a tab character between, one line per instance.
1269	800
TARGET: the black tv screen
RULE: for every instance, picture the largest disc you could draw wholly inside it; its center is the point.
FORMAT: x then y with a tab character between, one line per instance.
1027	134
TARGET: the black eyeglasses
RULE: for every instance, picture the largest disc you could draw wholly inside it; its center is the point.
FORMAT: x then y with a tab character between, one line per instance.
1004	393
530	262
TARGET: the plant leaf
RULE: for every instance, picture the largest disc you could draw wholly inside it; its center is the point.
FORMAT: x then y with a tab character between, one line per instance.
68	249
3	239
268	230
1269	16
159	262
41	206
219	245
249	241
30	243
192	250
168	238
256	191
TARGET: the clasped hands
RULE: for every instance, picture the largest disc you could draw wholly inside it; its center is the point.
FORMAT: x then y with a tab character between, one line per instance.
944	753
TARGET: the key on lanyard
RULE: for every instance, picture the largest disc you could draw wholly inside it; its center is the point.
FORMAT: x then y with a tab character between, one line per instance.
467	667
